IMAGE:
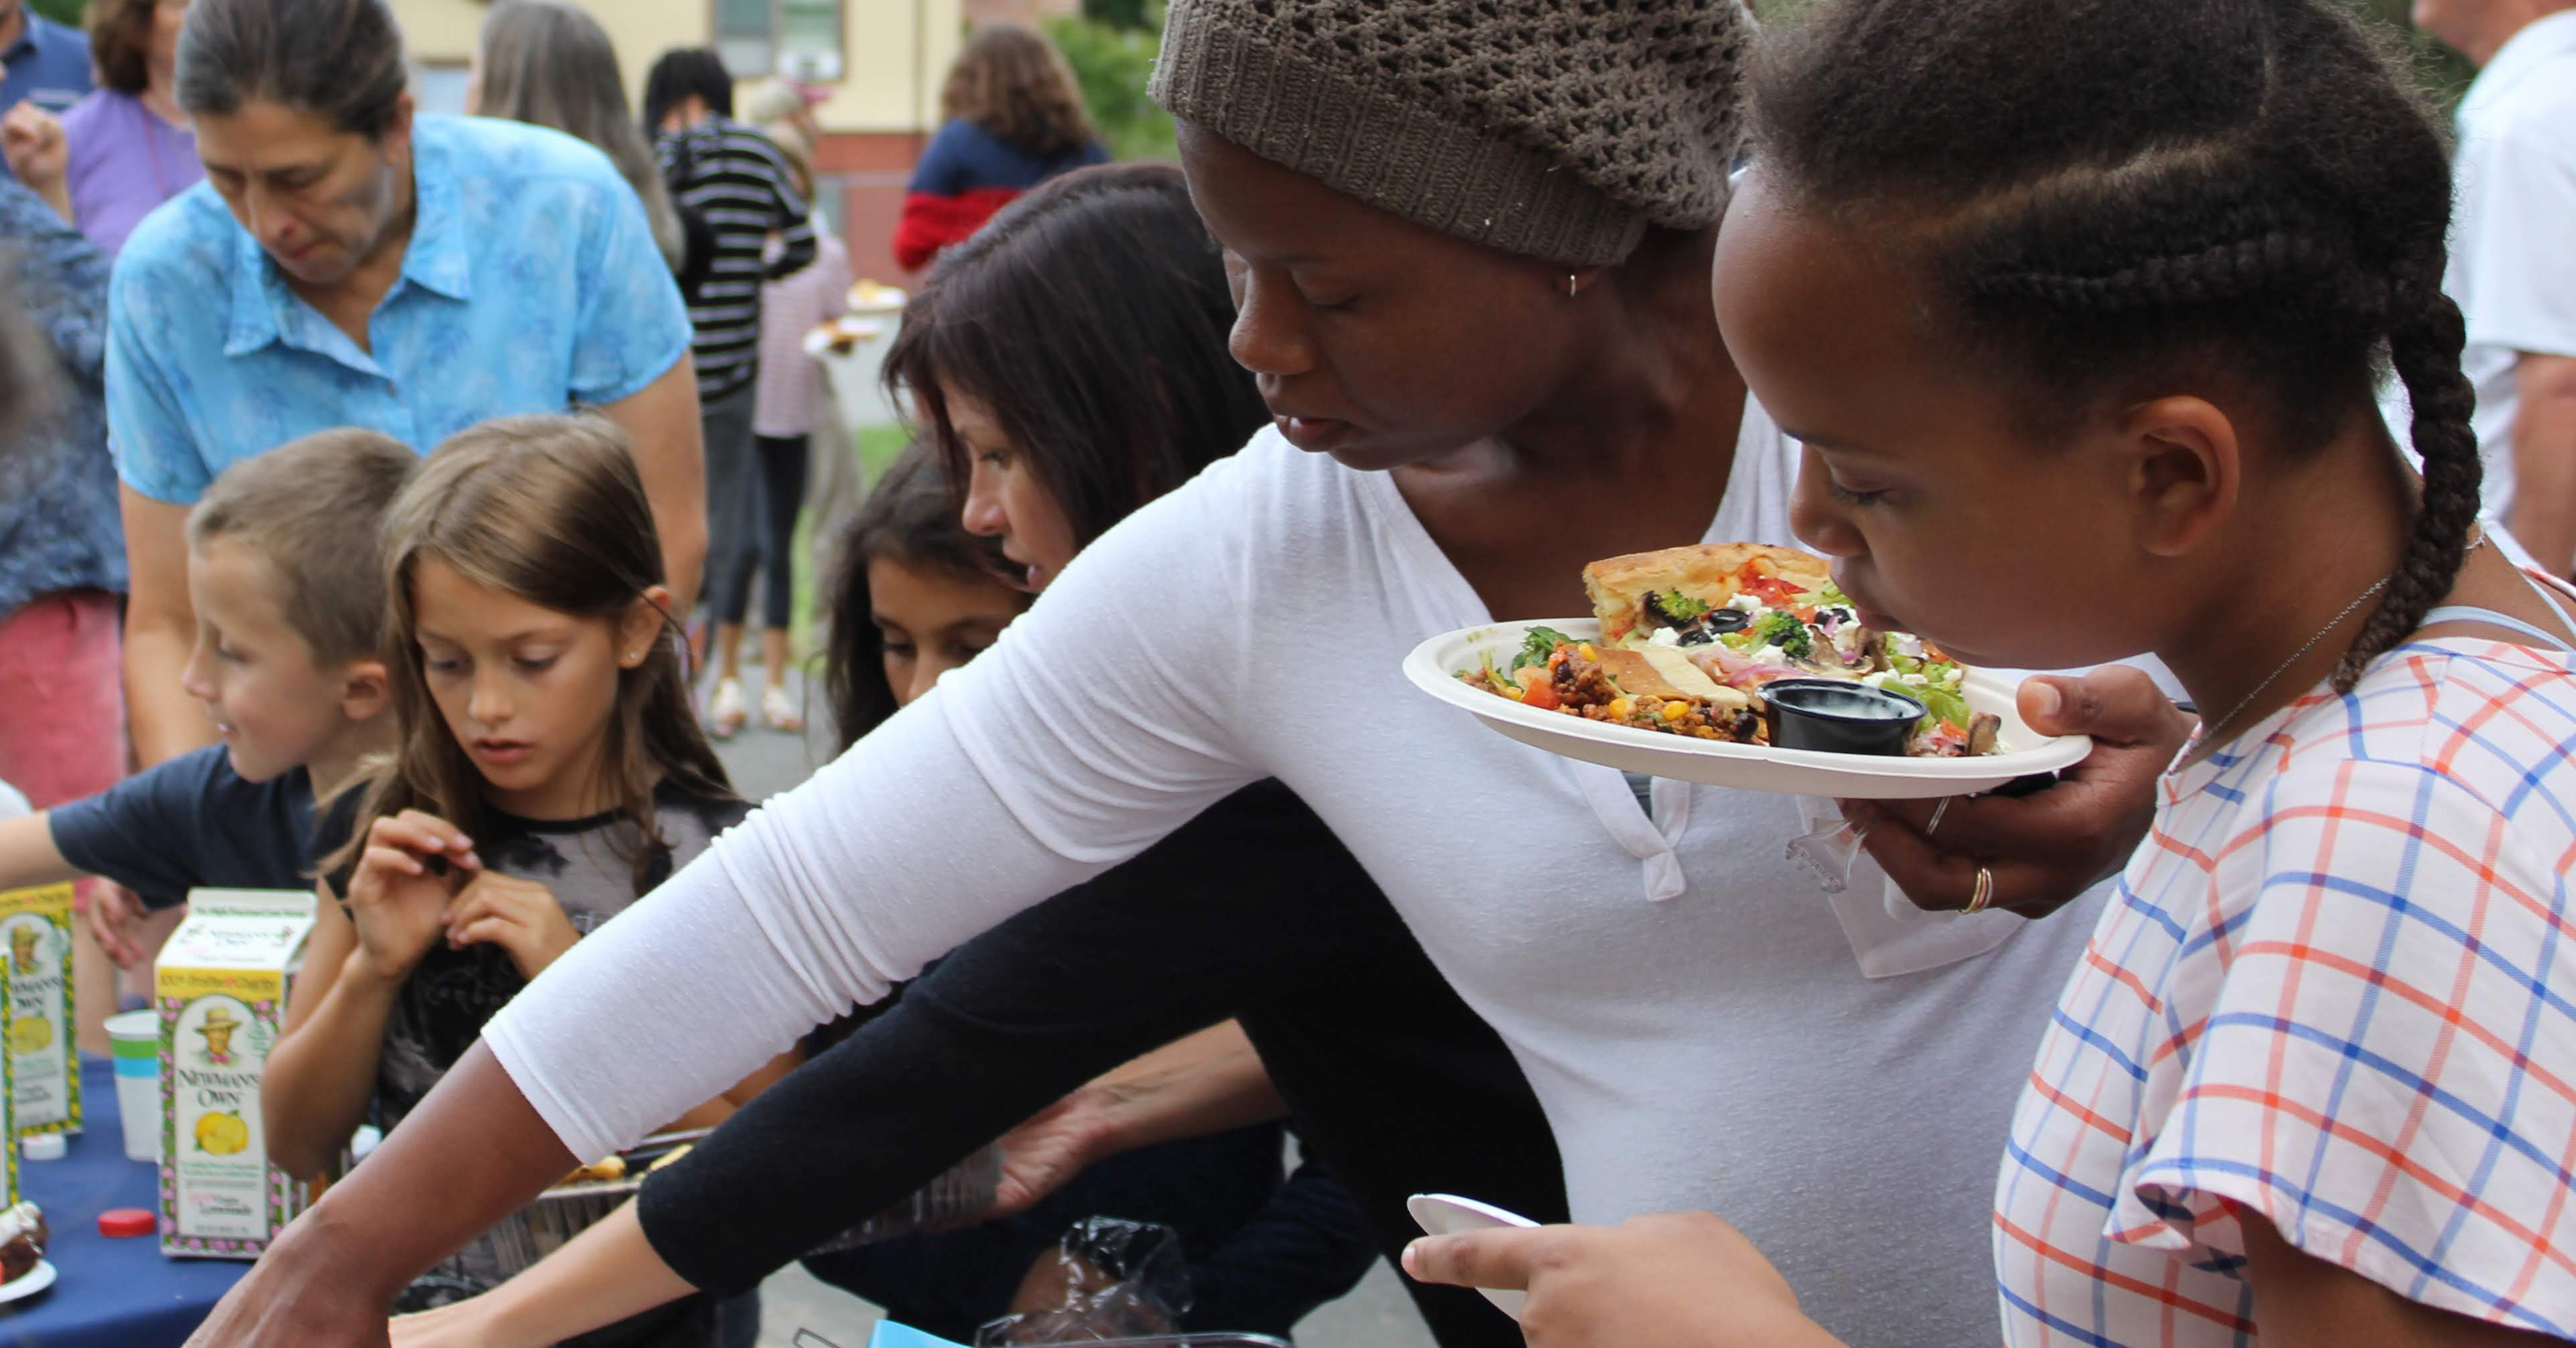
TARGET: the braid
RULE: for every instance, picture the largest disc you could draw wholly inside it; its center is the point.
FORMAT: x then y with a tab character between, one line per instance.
2424	345
2266	197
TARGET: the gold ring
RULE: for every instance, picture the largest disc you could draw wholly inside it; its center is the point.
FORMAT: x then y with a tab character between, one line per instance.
1937	811
1985	892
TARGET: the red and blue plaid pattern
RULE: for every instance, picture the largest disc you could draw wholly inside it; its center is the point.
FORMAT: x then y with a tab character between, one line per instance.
2336	991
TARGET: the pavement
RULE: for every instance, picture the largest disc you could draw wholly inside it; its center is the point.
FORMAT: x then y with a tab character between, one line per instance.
762	762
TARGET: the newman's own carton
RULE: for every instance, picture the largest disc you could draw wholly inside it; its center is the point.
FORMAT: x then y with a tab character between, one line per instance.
36	940
220	986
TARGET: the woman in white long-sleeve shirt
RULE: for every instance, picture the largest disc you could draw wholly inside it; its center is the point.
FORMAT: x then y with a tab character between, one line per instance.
1482	314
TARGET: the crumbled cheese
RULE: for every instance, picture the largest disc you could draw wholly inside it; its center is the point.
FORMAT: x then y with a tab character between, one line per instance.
1744	603
1664	636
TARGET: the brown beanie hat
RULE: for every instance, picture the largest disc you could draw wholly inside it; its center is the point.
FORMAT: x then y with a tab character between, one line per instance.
1550	128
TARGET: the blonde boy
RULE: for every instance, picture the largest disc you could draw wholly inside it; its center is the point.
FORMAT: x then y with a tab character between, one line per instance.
283	574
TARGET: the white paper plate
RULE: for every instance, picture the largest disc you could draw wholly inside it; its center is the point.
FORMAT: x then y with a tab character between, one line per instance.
1448	1214
2021	751
882	299
28	1284
860	331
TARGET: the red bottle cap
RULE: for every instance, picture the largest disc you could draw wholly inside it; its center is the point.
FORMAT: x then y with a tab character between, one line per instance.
122	1223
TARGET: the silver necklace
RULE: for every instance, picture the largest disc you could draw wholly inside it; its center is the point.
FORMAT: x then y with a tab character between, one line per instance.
2295	656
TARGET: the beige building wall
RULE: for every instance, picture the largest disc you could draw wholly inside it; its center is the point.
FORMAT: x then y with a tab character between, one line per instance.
894	52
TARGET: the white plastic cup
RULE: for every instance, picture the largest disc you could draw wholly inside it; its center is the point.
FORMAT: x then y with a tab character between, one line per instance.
135	1039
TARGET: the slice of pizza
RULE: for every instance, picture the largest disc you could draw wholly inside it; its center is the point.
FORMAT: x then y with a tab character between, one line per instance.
1677	587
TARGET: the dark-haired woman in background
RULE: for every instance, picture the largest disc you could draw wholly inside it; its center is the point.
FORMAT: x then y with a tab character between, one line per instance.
1251	911
348	263
1014	118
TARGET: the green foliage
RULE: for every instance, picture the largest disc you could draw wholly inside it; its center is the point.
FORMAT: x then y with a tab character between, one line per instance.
1111	61
61	11
1124	13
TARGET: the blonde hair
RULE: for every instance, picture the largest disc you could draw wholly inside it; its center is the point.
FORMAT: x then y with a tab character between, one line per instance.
314	510
1013	82
549	509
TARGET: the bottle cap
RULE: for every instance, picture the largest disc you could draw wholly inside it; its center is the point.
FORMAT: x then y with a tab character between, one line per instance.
42	1147
125	1223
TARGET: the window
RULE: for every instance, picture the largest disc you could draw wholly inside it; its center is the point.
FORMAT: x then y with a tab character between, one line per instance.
798	39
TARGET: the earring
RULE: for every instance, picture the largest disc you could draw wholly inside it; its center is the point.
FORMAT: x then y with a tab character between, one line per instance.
1569	285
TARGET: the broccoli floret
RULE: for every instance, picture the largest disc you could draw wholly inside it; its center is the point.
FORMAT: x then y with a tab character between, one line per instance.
1783	630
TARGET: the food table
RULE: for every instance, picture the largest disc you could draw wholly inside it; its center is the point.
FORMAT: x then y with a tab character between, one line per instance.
112	1293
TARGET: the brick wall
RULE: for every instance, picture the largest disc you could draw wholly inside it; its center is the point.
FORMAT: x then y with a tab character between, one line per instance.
869	170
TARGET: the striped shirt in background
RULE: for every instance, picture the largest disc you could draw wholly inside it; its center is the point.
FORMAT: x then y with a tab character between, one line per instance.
2328	994
736	180
790	380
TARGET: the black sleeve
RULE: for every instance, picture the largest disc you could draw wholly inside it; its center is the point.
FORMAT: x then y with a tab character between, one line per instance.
1311	1244
1010	1023
147	832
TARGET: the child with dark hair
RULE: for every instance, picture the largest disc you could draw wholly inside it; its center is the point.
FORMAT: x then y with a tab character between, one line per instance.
2078	308
1014	118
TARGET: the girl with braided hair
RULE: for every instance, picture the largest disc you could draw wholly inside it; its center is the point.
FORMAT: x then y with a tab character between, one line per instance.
2076	306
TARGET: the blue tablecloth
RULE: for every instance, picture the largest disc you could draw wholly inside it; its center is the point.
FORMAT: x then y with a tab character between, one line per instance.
112	1293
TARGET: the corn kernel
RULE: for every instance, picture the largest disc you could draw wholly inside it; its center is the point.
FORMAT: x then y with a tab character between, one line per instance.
1620	708
1674	711
1516	693
1587	652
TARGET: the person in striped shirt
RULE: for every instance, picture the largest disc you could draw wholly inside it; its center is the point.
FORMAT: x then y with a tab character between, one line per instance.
735	191
2079	310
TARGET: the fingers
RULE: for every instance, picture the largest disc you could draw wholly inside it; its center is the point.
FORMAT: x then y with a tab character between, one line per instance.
1500	1258
2115	703
424	835
494	929
1943	881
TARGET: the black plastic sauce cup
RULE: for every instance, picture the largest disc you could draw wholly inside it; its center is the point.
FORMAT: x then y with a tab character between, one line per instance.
1835	717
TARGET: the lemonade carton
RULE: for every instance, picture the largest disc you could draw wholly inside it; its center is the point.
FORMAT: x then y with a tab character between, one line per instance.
220	986
36	940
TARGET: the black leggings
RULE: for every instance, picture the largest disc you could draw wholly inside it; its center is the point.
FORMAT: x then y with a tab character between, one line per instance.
781	485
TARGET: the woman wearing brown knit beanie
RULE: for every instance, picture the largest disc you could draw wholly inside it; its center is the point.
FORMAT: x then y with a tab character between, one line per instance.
1472	243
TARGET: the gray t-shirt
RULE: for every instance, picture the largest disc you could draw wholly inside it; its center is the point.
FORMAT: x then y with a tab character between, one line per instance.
596	867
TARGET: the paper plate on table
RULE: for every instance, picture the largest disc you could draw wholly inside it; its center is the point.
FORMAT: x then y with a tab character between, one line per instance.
1448	1214
2020	751
28	1284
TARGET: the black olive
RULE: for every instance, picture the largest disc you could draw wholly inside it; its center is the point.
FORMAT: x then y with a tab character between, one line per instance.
1698	635
1727	620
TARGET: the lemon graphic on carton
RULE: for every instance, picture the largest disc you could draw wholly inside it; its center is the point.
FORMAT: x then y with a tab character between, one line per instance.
30	1034
222	1134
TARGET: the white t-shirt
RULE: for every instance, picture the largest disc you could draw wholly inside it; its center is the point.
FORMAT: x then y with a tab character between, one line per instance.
2513	236
1690	1008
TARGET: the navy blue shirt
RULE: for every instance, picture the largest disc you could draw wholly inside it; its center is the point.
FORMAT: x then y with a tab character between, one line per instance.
48	65
194	822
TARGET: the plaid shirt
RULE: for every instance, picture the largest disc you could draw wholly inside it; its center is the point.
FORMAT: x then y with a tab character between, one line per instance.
2329	992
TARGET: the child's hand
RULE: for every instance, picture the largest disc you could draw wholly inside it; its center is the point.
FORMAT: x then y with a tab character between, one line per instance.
399	897
520	916
1677	1279
113	911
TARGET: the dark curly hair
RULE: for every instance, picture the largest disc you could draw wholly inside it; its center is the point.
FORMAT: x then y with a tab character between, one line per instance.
2107	193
